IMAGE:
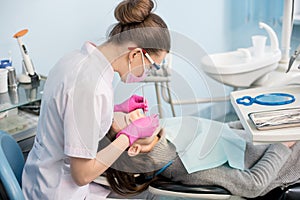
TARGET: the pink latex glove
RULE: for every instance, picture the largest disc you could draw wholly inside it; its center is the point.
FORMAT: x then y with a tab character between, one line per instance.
140	128
131	104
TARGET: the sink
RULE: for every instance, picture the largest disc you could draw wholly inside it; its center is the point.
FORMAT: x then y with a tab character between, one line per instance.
241	68
237	69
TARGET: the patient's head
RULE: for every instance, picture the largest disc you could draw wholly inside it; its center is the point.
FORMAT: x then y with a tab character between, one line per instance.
122	175
143	145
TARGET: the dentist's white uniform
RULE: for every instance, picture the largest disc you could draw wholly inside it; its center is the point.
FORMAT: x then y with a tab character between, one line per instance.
76	112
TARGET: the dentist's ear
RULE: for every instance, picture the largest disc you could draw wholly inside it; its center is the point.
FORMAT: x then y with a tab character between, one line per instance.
134	149
133	52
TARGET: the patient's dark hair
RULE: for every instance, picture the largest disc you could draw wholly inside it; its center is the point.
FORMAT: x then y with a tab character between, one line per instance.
126	184
126	176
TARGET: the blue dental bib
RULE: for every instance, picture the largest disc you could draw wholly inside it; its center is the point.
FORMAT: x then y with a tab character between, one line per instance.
203	144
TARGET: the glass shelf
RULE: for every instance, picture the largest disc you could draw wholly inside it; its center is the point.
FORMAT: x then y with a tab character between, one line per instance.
22	95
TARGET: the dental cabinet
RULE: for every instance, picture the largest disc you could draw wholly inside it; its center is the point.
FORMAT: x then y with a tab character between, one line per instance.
19	109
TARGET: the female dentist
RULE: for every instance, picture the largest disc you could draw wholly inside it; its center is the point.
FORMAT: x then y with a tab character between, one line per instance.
77	106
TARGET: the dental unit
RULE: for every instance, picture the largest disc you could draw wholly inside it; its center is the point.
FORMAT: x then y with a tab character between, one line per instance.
241	68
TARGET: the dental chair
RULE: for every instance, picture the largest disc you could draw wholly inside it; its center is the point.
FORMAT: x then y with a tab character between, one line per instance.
165	187
11	167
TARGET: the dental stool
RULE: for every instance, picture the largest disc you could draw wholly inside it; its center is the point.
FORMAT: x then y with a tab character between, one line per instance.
165	187
11	168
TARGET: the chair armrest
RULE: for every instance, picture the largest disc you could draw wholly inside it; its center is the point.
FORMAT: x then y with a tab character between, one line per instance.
169	188
292	192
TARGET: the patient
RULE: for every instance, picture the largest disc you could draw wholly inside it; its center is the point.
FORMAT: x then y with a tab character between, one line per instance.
266	166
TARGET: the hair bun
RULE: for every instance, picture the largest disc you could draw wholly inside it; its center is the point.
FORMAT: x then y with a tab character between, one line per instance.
133	11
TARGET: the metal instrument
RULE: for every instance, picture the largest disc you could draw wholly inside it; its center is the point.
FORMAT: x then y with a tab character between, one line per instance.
293	58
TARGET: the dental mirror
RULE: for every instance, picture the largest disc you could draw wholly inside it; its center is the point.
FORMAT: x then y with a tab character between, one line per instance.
271	99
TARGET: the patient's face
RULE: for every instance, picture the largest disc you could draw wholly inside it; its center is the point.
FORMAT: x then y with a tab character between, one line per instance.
136	114
148	143
121	120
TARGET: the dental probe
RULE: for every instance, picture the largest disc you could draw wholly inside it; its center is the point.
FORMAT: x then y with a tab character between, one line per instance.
143	94
293	58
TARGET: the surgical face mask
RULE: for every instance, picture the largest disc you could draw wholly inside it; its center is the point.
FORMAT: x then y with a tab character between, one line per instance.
131	78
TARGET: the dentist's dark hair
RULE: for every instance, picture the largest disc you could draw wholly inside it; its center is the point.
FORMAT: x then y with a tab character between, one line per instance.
138	24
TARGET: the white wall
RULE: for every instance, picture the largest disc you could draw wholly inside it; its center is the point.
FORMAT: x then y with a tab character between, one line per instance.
56	27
